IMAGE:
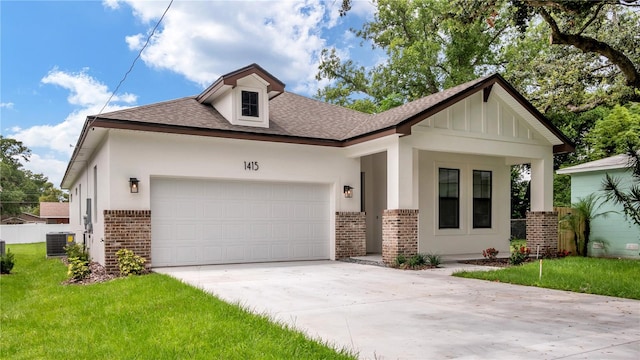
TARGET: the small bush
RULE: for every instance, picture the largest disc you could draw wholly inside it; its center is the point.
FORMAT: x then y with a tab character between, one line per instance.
563	253
434	259
6	262
417	260
490	253
78	269
519	256
400	260
130	263
76	251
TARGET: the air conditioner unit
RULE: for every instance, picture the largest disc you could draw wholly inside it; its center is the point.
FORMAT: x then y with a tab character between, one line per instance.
57	241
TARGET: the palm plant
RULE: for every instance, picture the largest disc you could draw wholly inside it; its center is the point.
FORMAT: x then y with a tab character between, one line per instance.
629	199
585	210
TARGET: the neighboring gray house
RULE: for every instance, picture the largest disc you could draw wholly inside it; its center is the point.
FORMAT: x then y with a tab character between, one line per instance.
613	235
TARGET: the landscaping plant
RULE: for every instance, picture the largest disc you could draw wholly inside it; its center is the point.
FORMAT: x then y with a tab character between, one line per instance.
76	251
519	256
434	259
78	269
584	211
130	263
6	262
490	253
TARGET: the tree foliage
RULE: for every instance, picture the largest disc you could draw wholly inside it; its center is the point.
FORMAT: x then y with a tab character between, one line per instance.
565	55
21	190
613	134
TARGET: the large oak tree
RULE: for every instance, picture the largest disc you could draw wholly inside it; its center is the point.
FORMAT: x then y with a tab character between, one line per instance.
565	55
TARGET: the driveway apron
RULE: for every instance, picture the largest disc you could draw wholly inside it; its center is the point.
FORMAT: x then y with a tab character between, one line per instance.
383	313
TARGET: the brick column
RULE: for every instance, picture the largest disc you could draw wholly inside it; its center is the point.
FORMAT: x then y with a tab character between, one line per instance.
542	230
351	239
126	229
399	234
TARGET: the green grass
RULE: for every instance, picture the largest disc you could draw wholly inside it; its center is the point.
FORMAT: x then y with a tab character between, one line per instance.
143	317
612	277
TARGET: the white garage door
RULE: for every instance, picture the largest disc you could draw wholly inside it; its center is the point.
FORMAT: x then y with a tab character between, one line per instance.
198	222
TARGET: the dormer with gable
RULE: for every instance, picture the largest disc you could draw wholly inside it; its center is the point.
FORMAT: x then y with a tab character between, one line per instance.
242	96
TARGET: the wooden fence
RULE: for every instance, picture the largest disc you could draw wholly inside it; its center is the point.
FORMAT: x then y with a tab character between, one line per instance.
565	235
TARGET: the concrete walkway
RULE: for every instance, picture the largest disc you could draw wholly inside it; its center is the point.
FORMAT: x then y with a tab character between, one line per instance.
383	313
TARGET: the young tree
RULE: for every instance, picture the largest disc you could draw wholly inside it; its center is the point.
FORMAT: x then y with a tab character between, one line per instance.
585	210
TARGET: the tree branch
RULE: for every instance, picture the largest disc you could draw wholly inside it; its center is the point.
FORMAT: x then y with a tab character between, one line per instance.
588	44
595	15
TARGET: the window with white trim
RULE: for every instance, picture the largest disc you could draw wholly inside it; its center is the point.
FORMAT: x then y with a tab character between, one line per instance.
481	199
448	198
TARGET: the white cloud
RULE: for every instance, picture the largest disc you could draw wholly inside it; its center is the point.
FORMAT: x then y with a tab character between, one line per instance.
8	105
84	90
52	167
205	39
52	145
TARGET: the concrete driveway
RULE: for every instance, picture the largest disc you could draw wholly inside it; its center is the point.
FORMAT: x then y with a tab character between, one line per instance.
384	313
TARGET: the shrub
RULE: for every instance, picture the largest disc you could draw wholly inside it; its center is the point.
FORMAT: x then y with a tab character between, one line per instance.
519	256
78	269
76	251
417	260
490	253
434	259
563	253
6	262
130	263
400	260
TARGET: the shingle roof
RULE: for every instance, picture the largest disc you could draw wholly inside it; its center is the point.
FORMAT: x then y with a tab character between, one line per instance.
610	163
297	119
54	210
290	115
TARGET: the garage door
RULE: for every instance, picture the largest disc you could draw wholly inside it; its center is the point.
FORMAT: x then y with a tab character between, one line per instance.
199	222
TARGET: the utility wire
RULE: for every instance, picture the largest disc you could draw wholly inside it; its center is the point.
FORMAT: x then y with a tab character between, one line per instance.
135	60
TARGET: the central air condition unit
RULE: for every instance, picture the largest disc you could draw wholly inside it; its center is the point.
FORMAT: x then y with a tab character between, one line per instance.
57	241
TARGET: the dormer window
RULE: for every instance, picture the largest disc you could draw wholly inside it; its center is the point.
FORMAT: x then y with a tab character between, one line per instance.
242	96
250	104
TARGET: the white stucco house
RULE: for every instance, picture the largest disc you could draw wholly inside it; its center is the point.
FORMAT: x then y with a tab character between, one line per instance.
248	172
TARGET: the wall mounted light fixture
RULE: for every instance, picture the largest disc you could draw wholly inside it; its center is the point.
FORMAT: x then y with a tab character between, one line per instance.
348	192
133	185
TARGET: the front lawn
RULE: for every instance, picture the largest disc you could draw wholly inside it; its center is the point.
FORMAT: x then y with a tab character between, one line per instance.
144	317
612	277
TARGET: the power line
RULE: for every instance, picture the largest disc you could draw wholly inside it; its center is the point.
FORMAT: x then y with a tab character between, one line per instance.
135	60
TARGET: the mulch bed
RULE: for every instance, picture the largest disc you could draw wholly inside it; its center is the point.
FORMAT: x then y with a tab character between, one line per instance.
98	274
500	262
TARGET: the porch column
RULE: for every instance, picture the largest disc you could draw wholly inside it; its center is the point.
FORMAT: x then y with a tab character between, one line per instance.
542	184
400	220
542	221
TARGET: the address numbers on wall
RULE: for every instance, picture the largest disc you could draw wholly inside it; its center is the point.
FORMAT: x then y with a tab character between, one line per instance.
251	166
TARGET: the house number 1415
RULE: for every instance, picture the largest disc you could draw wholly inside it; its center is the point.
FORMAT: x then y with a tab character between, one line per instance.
251	165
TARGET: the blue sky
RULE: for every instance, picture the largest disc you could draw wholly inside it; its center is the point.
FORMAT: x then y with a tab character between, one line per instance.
60	60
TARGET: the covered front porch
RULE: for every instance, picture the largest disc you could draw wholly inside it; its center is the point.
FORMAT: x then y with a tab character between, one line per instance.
439	181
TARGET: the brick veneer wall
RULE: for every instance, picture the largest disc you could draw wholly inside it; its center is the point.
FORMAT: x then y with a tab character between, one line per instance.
351	236
399	233
126	229
542	230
